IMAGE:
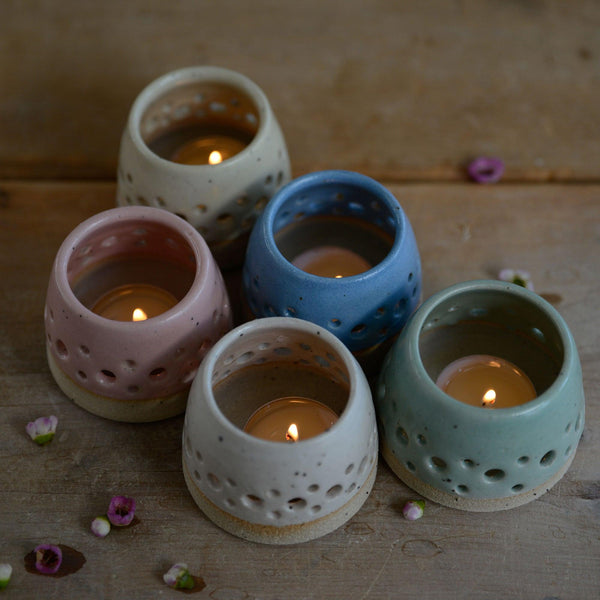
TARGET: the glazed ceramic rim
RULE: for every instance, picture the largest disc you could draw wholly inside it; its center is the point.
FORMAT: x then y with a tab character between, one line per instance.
134	215
333	177
191	75
269	324
415	327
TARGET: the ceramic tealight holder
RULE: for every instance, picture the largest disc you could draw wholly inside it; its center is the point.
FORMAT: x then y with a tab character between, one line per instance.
481	457
335	248
276	490
203	142
134	302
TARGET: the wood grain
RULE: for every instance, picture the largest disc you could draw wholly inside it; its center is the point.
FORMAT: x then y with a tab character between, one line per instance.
549	548
402	91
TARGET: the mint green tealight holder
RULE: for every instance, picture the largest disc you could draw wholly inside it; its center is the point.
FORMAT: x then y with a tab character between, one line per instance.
470	457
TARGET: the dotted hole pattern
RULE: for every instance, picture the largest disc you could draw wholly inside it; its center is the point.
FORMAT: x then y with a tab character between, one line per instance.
303	501
449	471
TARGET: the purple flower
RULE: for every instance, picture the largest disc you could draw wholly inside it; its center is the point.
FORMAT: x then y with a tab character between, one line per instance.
178	576
517	276
42	430
121	510
48	558
486	170
413	509
5	573
100	527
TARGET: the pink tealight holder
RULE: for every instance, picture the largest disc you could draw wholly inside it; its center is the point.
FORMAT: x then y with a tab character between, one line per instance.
134	302
280	443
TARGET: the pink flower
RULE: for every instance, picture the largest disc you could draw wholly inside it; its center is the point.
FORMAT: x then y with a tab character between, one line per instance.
121	510
413	509
48	558
42	430
486	170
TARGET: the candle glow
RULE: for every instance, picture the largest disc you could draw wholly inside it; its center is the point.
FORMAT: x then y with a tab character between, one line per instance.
135	302
331	261
290	419
489	398
292	433
138	315
215	157
486	381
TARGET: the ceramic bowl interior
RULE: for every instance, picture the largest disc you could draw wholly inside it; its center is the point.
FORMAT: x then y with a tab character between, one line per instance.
276	367
131	251
496	324
195	107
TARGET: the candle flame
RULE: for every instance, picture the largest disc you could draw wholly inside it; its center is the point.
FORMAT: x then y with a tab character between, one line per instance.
138	315
489	398
292	433
215	157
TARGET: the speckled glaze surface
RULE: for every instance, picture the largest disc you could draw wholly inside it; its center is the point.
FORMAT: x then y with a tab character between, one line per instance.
361	310
274	492
221	201
133	371
474	458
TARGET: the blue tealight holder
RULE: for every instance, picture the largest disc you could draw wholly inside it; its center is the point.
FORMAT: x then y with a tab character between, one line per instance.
355	218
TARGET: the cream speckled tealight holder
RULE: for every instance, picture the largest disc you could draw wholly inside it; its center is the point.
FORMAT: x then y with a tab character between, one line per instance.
126	370
470	457
277	492
220	200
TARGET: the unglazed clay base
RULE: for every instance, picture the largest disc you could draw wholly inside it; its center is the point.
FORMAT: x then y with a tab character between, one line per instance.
287	534
128	411
464	503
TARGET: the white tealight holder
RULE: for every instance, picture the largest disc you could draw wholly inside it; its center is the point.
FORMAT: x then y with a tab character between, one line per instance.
268	491
176	126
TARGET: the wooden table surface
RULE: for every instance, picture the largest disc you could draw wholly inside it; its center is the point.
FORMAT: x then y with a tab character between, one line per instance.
404	92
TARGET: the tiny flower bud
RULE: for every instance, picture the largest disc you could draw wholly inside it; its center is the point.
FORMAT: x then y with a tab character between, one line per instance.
48	558
178	577
486	170
413	509
121	510
42	430
100	526
516	276
5	573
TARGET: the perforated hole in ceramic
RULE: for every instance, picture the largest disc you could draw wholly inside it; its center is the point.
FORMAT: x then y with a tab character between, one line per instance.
288	491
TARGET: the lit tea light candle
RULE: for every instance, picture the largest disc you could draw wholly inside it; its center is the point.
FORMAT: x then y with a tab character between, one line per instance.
290	419
486	381
331	261
200	145
134	302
